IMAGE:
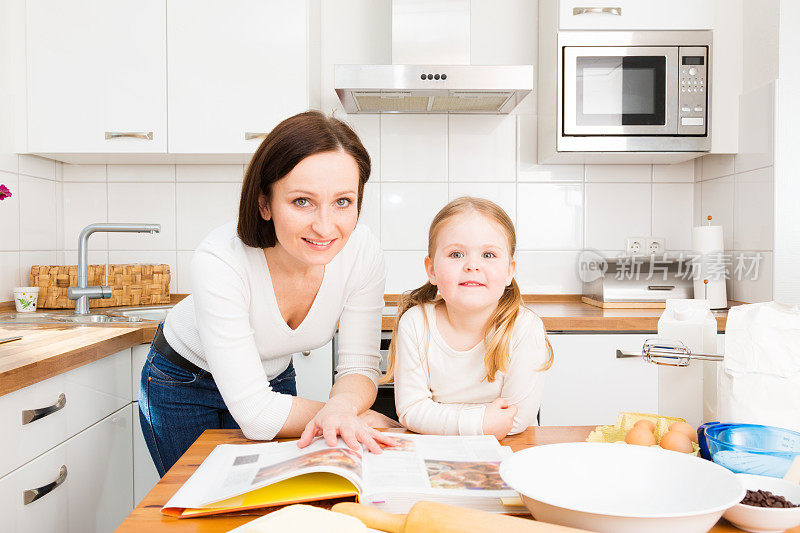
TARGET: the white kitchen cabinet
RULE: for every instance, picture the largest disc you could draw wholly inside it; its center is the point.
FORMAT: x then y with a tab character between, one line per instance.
138	357
314	371
588	385
236	69
95	495
96	68
60	407
635	14
145	475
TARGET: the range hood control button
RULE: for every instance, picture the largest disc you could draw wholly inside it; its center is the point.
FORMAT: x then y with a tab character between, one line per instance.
436	76
444	76
422	76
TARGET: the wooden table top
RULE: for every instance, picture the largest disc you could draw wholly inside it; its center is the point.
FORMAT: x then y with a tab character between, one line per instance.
147	515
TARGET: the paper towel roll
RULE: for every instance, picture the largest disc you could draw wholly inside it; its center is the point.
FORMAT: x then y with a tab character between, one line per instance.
708	244
707	239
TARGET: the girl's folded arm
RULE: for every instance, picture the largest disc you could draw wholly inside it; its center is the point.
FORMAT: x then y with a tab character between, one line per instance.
416	408
524	380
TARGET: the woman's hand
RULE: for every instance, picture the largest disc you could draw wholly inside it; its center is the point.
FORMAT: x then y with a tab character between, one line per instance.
339	417
376	420
498	418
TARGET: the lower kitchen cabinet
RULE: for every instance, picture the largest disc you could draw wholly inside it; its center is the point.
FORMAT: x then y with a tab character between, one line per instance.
314	370
86	482
145	475
588	385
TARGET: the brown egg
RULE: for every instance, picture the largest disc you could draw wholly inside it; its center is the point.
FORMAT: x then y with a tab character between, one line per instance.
677	442
640	436
686	429
647	424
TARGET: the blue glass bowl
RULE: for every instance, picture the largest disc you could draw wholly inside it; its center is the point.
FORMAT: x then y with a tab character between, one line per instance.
750	448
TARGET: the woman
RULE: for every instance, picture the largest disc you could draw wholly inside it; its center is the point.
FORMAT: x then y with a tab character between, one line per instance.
275	284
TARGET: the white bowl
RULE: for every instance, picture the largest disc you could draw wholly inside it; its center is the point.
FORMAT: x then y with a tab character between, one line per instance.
621	488
762	519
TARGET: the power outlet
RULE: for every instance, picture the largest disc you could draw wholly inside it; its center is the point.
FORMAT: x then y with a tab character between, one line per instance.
645	246
635	245
655	246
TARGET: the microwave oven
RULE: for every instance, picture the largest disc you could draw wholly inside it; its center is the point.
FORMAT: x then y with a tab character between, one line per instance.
632	91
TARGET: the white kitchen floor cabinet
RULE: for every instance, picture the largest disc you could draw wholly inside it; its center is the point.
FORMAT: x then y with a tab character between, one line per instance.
588	385
90	478
97	76
236	69
314	373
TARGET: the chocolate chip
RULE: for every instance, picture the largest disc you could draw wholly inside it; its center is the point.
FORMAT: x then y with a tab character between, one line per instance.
764	498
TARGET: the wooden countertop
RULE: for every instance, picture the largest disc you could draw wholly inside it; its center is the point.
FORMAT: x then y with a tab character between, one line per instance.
46	351
567	313
147	515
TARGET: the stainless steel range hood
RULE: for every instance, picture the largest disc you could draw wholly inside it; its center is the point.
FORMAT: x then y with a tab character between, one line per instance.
431	71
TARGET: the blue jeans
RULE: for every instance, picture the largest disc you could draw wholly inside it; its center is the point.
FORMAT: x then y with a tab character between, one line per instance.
176	406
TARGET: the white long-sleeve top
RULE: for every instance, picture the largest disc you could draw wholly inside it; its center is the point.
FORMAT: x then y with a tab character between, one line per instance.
231	325
439	390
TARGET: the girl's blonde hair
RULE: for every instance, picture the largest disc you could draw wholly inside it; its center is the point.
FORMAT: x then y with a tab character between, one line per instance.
499	327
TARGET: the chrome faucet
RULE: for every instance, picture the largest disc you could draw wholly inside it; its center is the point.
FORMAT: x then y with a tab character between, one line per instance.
82	292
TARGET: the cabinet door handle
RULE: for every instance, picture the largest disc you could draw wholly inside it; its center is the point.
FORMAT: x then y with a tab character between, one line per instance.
31	495
660	287
148	135
248	135
599	10
32	415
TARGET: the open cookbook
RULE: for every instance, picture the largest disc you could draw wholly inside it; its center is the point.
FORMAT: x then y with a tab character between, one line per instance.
452	470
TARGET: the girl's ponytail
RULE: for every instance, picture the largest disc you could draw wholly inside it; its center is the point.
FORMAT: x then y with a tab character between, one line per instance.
419	296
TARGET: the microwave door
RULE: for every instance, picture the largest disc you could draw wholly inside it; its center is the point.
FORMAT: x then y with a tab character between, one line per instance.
611	90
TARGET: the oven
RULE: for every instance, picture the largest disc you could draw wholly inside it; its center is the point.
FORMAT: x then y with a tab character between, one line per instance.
384	402
634	91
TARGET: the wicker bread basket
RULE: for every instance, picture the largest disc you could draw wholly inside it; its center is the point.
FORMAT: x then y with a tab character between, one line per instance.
136	284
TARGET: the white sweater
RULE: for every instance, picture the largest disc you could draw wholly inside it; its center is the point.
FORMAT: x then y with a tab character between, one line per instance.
444	391
231	324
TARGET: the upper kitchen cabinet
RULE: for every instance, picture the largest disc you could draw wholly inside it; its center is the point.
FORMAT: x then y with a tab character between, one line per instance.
236	69
635	15
96	77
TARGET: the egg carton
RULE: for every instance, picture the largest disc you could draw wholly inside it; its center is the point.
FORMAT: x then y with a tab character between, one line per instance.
625	422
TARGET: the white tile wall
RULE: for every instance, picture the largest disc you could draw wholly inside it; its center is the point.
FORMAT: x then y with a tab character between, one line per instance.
550	216
406	213
413	148
673	212
482	148
619	173
615	211
201	207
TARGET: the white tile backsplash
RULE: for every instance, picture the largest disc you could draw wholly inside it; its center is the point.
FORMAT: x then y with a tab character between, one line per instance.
9	275
755	283
83	172
183	273
679	172
717	165
37	167
368	129
215	173
9	162
619	173
615	211
717	202
146	203
753	210
201	207
84	204
9	213
406	213
482	148
549	216
370	214
503	194
141	173
548	272
37	208
756	146
673	211
413	148
405	270
528	168
28	259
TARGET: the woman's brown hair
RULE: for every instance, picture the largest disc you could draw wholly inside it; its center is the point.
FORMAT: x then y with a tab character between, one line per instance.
285	146
500	326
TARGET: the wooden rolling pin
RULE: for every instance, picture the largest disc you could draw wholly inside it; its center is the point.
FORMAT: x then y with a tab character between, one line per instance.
430	517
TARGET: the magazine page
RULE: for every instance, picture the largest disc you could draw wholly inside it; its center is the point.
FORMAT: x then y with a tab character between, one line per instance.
443	465
234	469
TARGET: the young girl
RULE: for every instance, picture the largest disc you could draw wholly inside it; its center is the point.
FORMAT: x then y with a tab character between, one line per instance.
467	357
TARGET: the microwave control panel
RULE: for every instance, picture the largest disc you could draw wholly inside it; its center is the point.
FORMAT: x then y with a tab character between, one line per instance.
693	96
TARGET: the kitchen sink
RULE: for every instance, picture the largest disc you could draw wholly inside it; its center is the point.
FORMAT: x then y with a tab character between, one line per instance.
121	315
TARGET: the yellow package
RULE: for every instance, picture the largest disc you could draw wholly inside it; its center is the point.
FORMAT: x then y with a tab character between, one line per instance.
625	422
